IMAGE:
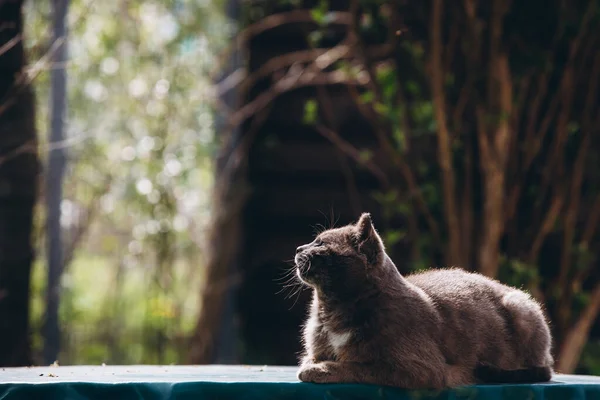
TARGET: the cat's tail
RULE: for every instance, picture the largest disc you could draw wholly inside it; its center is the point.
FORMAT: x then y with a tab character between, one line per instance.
490	374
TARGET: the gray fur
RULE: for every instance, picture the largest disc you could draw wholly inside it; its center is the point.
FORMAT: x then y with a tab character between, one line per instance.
369	324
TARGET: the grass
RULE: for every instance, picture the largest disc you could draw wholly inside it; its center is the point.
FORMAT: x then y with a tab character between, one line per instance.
119	317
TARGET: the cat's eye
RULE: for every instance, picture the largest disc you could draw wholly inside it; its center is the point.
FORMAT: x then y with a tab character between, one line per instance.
318	242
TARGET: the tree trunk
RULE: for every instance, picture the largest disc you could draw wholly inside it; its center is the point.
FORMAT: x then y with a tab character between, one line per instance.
214	339
451	215
54	181
18	184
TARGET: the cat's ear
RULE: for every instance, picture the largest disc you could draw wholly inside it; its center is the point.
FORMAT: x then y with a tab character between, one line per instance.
367	239
364	227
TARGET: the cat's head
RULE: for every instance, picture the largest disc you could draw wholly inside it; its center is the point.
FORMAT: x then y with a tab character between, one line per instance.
342	256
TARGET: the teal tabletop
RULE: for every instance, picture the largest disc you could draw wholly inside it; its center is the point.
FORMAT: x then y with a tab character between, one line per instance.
249	383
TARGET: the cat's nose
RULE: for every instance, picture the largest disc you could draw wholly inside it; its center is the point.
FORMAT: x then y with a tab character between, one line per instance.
299	249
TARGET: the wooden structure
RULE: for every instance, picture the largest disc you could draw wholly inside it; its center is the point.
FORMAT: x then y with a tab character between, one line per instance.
277	179
298	180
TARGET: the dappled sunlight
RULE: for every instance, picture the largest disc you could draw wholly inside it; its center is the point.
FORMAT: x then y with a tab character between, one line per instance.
139	177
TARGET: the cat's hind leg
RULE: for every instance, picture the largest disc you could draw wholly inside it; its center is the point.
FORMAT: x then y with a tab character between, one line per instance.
531	330
530	339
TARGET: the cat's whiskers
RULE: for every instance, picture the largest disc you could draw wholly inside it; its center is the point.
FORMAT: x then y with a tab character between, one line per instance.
285	276
291	283
289	272
299	292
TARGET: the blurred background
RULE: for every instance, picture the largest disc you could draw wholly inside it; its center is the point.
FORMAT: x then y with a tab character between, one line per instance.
161	160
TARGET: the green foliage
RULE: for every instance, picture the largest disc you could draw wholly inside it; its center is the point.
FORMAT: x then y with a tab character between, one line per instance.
518	273
310	112
320	12
382	109
365	155
140	141
399	137
109	314
388	199
584	257
367	97
392	237
386	78
423	114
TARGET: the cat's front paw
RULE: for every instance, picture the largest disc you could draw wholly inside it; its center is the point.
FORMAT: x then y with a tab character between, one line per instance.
315	373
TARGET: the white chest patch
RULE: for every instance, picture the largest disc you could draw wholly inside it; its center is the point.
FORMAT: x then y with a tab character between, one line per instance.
338	340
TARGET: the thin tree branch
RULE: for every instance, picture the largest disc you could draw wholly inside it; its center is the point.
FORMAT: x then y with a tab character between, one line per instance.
286	84
10	44
494	146
274	21
578	174
320	57
83	228
592	222
578	334
547	224
564	85
353	153
444	146
353	192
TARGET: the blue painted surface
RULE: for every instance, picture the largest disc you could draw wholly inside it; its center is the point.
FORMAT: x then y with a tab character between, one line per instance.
248	383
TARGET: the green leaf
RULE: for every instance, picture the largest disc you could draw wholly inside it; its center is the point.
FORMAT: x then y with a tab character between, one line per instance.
315	37
403	208
366	97
400	138
572	127
412	88
310	112
423	112
381	109
365	155
385	75
386	198
394	236
318	15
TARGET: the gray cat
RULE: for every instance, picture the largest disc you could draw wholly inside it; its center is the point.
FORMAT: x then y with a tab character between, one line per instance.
436	329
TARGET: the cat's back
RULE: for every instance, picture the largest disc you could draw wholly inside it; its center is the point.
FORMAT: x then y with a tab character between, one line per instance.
455	284
468	305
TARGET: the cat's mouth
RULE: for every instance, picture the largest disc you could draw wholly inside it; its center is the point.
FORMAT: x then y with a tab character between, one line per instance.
303	266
